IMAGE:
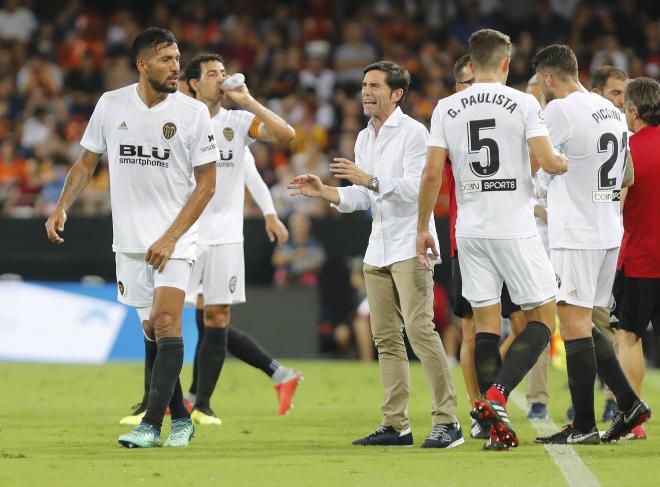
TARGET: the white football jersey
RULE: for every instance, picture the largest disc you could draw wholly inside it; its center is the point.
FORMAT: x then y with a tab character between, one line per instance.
151	155
583	203
222	219
485	130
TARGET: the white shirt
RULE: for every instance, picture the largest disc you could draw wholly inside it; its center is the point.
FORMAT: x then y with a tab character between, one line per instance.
485	130
584	203
222	219
396	156
151	155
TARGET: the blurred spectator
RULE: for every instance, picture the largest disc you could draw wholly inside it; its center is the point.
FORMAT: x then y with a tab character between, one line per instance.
17	23
84	86
353	54
317	75
23	198
299	260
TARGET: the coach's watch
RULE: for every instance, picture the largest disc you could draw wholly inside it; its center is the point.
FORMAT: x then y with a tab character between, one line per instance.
373	184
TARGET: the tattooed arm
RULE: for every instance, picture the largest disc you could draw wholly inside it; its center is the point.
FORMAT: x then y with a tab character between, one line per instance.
78	177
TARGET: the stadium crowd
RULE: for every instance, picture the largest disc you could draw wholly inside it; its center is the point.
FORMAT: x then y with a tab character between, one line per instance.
302	58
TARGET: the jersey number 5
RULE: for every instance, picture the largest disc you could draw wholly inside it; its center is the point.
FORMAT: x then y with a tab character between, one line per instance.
476	143
604	181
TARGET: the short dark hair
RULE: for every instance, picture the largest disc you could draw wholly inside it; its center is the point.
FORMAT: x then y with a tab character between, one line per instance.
194	68
601	75
151	38
559	59
460	63
487	47
644	94
395	76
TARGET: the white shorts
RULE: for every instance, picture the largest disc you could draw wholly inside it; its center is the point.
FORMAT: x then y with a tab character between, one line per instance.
522	263
585	276
218	274
136	279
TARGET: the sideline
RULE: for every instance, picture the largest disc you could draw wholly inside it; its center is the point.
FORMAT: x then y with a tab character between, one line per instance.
575	472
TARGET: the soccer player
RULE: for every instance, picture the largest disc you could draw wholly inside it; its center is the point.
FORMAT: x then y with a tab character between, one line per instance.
239	344
464	78
584	231
488	131
537	380
162	155
641	220
610	82
389	156
220	266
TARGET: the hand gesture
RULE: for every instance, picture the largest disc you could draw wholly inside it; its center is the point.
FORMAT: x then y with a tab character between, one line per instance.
275	229
159	252
425	241
54	224
344	169
306	185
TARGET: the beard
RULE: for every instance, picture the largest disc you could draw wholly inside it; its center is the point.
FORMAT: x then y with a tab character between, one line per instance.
162	87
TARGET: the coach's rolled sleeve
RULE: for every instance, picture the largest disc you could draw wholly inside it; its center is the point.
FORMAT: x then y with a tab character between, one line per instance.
352	198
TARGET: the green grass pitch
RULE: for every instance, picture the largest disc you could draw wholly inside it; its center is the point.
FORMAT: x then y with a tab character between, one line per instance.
59	426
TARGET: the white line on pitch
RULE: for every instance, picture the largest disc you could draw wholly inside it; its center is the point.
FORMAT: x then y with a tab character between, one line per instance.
576	473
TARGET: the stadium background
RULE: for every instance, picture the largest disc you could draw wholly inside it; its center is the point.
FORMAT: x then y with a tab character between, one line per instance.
304	60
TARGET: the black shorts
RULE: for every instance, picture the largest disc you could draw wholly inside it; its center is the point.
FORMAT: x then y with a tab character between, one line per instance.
640	304
462	307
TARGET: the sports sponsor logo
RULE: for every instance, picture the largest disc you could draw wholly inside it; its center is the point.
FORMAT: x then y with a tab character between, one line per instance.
120	285
558	281
169	129
228	132
489	185
122	126
232	284
606	196
207	148
140	155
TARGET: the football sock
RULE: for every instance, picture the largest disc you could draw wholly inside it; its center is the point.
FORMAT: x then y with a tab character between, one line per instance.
487	359
581	368
281	372
150	349
177	408
245	348
610	370
199	321
522	355
166	370
211	358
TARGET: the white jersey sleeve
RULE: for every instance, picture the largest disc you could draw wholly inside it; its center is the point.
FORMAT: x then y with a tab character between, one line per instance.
94	137
437	138
354	197
205	149
535	125
559	125
256	185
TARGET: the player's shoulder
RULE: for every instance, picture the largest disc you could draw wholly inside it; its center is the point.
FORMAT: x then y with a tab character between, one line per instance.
188	102
119	93
230	115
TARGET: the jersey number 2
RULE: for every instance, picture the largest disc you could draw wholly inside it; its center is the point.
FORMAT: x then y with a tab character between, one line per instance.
604	181
476	143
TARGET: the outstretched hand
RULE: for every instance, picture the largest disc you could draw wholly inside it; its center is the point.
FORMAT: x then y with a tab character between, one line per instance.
306	185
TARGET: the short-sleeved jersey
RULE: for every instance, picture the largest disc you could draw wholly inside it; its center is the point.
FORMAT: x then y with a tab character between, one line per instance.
485	130
222	219
584	203
151	155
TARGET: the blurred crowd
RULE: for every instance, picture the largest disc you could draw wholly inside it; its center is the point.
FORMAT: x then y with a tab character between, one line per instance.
303	58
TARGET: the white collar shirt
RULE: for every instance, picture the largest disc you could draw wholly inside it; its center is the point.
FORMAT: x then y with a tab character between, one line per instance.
396	155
